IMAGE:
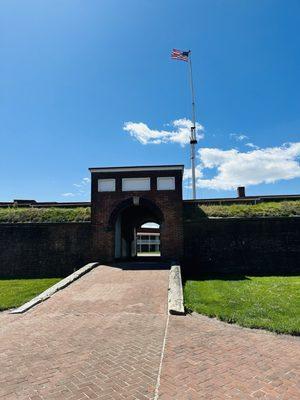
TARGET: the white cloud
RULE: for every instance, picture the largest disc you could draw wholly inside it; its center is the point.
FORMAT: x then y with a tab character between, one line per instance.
82	185
235	168
251	145
239	137
81	189
188	173
69	194
179	134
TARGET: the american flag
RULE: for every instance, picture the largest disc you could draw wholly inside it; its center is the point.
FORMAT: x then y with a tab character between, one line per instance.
180	55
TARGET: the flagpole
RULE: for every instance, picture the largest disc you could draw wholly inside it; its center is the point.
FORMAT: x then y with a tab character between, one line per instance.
193	138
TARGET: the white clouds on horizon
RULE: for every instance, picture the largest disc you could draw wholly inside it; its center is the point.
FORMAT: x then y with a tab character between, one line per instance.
252	146
180	133
82	184
68	194
235	168
230	168
239	137
188	172
81	189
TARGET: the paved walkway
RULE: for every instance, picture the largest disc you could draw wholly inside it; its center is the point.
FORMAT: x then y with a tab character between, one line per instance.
103	337
211	360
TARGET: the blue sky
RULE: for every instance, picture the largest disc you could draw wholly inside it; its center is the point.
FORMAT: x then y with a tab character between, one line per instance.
74	73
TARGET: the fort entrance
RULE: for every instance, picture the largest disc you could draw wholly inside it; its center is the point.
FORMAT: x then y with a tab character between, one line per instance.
125	198
127	218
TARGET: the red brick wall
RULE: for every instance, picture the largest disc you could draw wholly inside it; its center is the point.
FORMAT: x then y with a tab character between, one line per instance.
242	246
44	249
169	202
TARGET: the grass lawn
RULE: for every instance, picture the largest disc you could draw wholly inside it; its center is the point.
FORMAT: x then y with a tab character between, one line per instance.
272	303
15	292
268	209
83	214
38	215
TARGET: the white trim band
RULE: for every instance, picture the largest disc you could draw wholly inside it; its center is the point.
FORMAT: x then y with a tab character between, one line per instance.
139	169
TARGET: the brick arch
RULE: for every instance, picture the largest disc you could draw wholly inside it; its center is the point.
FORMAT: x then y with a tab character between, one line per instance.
123	197
143	203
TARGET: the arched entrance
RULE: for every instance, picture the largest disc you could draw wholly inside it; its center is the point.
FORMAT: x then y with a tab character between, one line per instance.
125	221
123	198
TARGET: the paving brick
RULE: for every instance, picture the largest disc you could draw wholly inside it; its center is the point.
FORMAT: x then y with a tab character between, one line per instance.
221	361
102	337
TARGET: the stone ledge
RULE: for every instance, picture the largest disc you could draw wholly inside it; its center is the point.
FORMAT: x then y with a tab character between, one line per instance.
55	288
175	293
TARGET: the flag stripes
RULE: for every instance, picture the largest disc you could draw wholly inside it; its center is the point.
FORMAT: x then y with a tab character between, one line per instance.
180	55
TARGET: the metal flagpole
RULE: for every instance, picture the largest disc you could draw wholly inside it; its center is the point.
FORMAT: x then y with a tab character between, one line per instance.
193	138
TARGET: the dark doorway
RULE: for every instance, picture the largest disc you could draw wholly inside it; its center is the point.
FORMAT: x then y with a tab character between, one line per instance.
127	220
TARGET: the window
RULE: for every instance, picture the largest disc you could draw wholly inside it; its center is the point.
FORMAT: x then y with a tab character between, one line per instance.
166	183
106	185
132	184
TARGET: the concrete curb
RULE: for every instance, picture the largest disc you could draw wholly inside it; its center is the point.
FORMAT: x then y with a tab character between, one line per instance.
55	288
175	293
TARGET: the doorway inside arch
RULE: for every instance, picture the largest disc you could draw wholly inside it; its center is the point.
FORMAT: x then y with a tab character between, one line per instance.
132	226
148	240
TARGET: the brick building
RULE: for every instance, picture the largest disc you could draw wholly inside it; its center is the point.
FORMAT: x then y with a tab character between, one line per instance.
148	240
125	198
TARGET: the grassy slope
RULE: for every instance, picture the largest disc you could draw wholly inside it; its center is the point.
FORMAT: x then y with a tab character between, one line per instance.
15	292
80	214
272	209
272	303
22	215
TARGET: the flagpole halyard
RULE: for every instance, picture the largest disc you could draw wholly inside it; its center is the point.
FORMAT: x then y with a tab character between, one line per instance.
187	57
193	138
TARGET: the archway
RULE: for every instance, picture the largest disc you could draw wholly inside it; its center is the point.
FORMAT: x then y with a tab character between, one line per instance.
126	219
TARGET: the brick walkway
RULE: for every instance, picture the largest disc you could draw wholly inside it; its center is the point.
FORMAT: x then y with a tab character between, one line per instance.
99	338
211	360
102	338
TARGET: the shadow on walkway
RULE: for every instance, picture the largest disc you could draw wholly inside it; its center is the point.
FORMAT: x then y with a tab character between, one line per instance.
143	263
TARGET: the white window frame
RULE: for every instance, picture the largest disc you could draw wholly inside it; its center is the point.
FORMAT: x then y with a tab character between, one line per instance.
160	179
146	188
106	181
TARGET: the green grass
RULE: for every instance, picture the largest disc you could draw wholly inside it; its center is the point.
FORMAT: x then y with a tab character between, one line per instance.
270	209
24	215
15	292
83	214
271	303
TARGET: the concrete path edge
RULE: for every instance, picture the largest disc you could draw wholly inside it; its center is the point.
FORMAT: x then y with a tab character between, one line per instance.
55	288
175	293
